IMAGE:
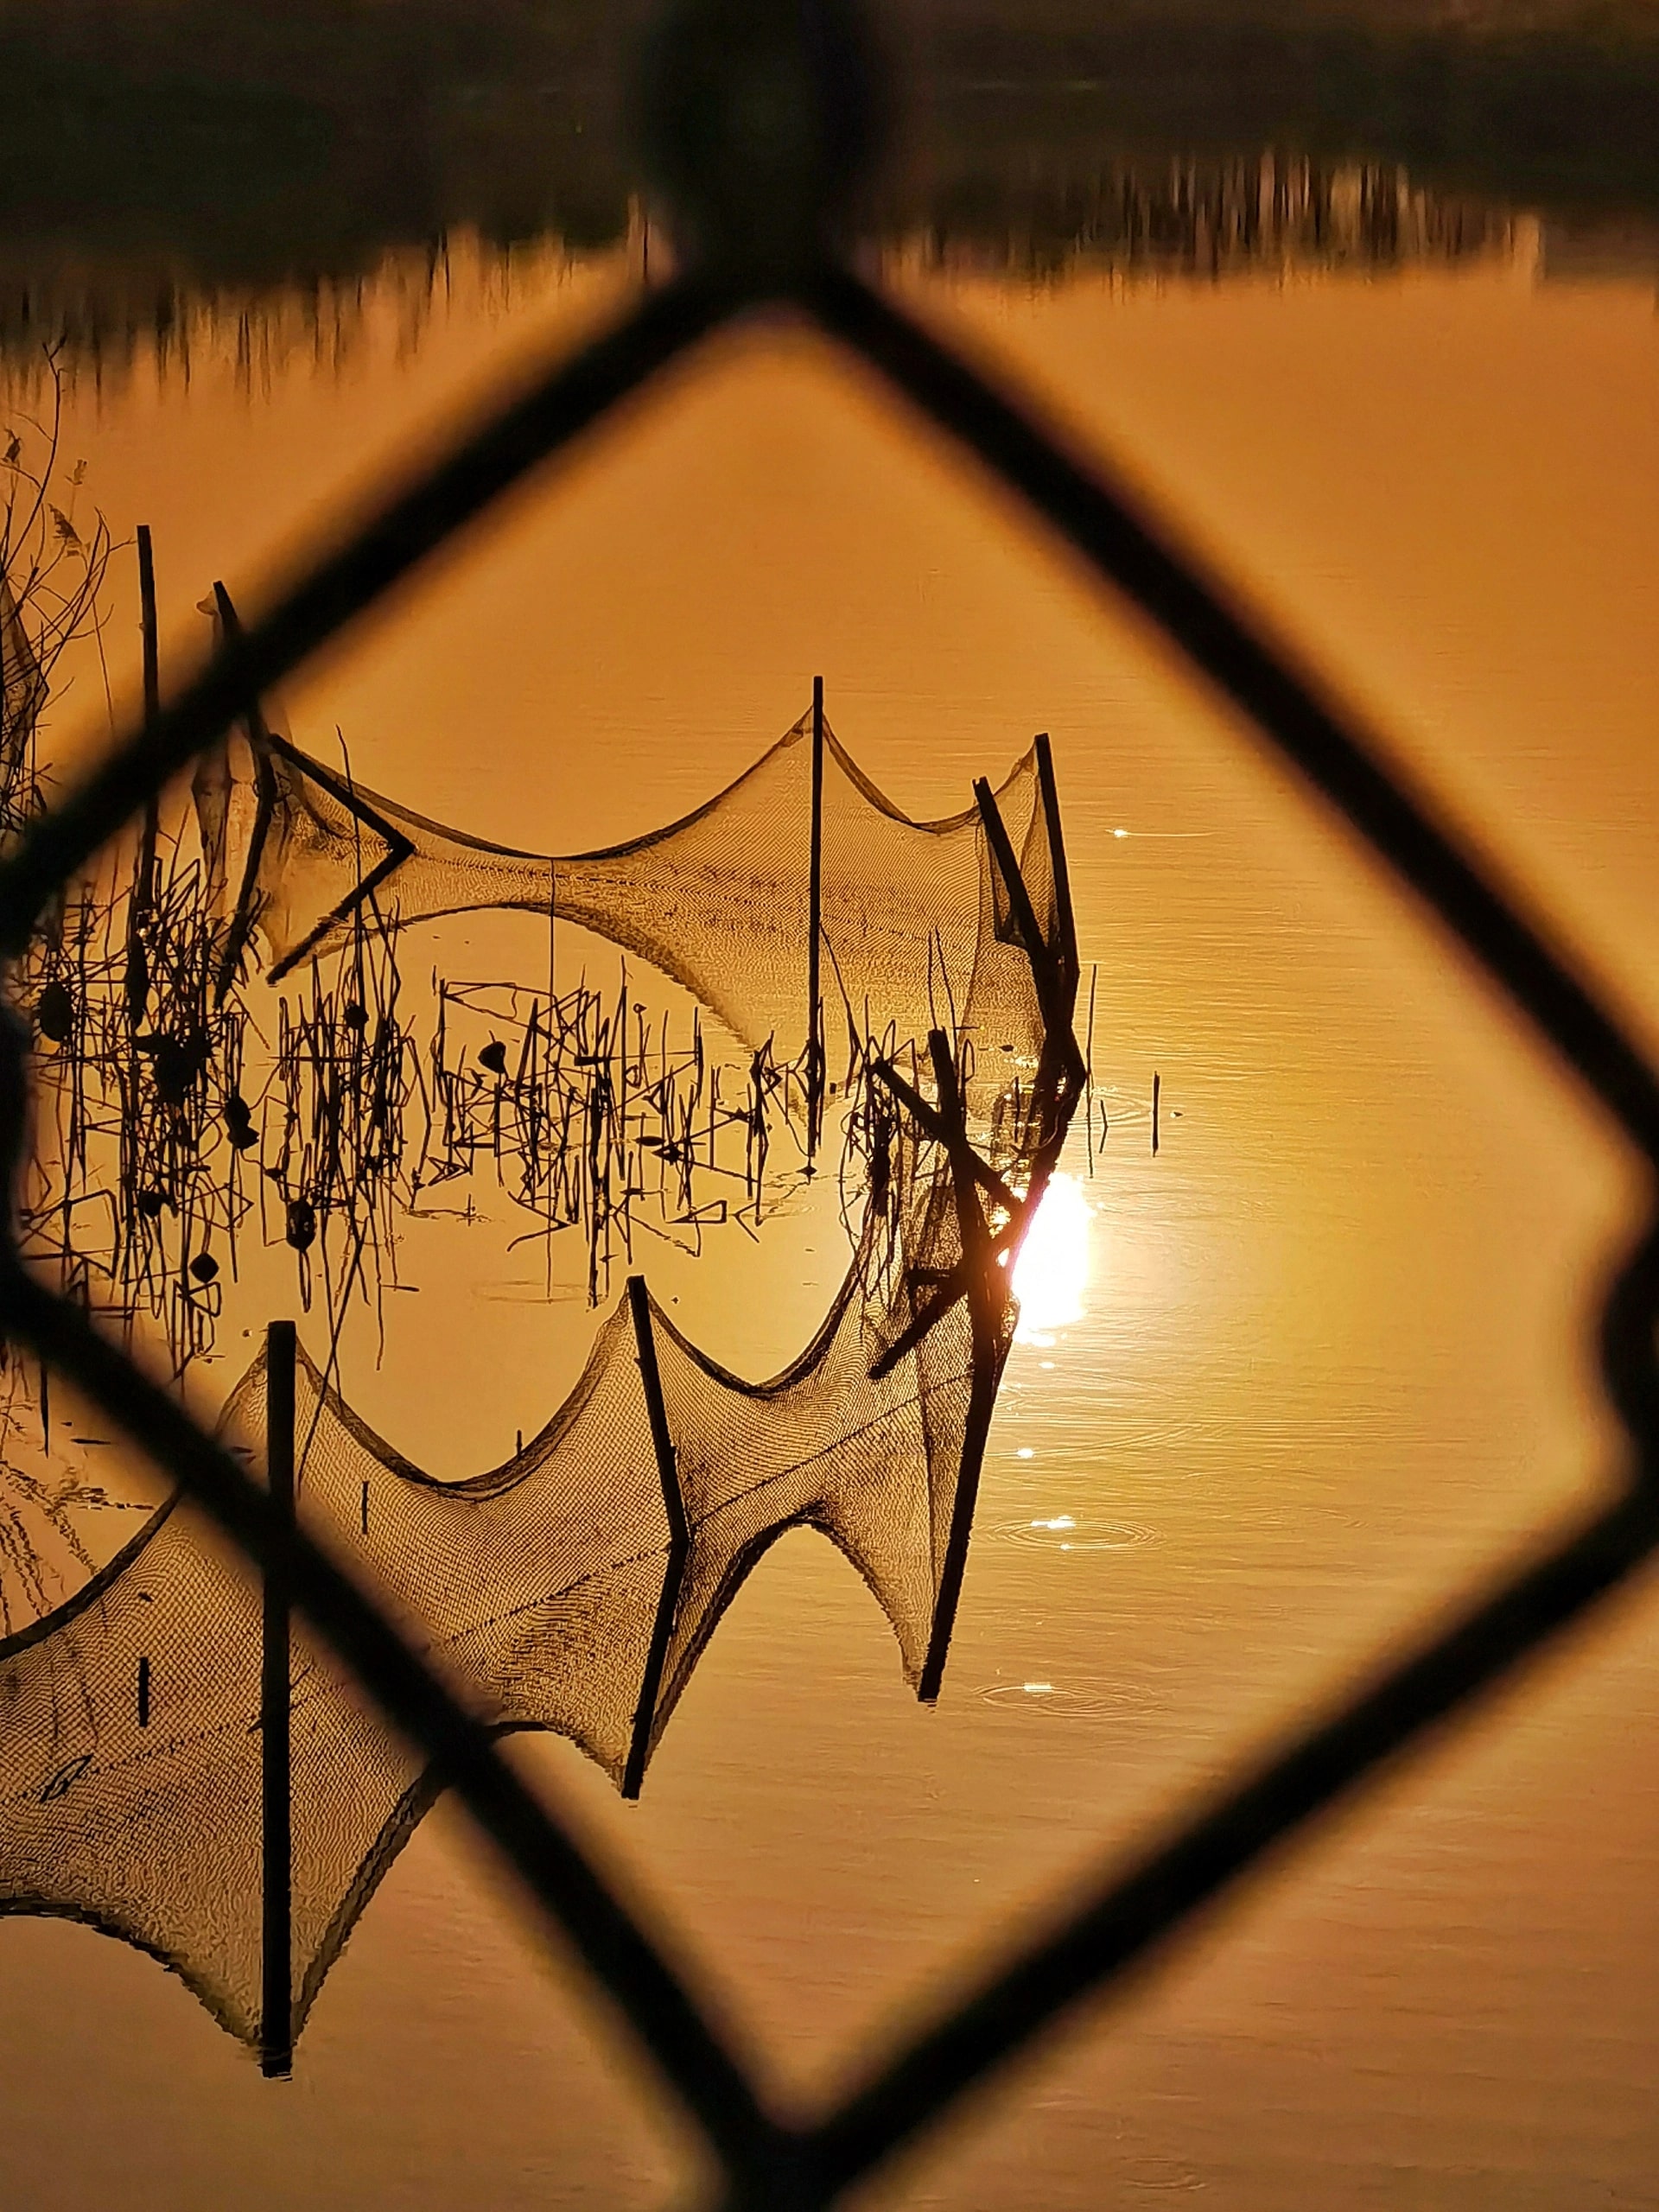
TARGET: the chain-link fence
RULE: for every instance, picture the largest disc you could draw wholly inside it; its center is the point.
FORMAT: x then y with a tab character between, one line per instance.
760	118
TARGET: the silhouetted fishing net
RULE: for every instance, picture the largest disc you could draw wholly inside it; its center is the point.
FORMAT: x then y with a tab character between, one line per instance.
571	1589
575	1587
172	1121
175	1123
150	1832
720	900
43	1558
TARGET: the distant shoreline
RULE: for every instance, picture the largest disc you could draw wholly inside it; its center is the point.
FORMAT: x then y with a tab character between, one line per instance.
305	143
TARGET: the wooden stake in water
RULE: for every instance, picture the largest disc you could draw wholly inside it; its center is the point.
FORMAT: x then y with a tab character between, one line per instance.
1089	1067
814	930
551	1018
277	2011
145	895
1156	1082
984	1292
679	1537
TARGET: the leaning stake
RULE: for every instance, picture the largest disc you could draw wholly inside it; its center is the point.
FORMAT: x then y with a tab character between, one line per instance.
679	1537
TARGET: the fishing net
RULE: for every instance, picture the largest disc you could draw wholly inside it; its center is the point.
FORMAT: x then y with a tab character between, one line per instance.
571	1589
720	900
138	1811
575	1587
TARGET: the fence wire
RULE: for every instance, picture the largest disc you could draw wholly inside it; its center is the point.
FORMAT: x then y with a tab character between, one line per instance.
759	115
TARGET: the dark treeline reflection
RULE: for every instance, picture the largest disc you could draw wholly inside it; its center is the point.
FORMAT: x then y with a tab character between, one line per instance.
1197	215
153	155
1030	216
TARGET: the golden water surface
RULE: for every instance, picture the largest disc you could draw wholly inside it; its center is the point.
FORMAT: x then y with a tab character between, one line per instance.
1282	1390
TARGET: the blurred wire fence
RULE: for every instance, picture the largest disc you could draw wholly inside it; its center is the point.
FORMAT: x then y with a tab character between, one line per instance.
761	119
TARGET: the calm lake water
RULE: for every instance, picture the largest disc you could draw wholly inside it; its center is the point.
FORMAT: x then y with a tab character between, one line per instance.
1283	1391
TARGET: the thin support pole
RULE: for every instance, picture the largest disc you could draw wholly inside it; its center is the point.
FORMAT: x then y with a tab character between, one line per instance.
679	1537
815	1059
1089	1067
984	1307
550	1075
1057	861
144	897
276	2019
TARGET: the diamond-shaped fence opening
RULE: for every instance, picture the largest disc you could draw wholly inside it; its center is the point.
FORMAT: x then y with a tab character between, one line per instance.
759	182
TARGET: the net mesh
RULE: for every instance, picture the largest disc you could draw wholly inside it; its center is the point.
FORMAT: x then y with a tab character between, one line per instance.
131	1798
720	900
134	1803
575	1587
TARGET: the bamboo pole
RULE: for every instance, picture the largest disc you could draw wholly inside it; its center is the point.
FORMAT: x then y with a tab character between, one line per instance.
276	2019
145	894
814	934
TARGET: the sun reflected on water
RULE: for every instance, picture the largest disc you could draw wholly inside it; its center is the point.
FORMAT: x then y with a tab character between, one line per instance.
1052	1272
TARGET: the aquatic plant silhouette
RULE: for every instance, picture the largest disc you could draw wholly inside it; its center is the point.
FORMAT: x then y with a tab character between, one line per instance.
169	1126
138	1180
52	565
166	1123
166	1118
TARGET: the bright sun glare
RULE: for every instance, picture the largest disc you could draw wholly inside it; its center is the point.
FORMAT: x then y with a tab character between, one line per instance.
1051	1272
